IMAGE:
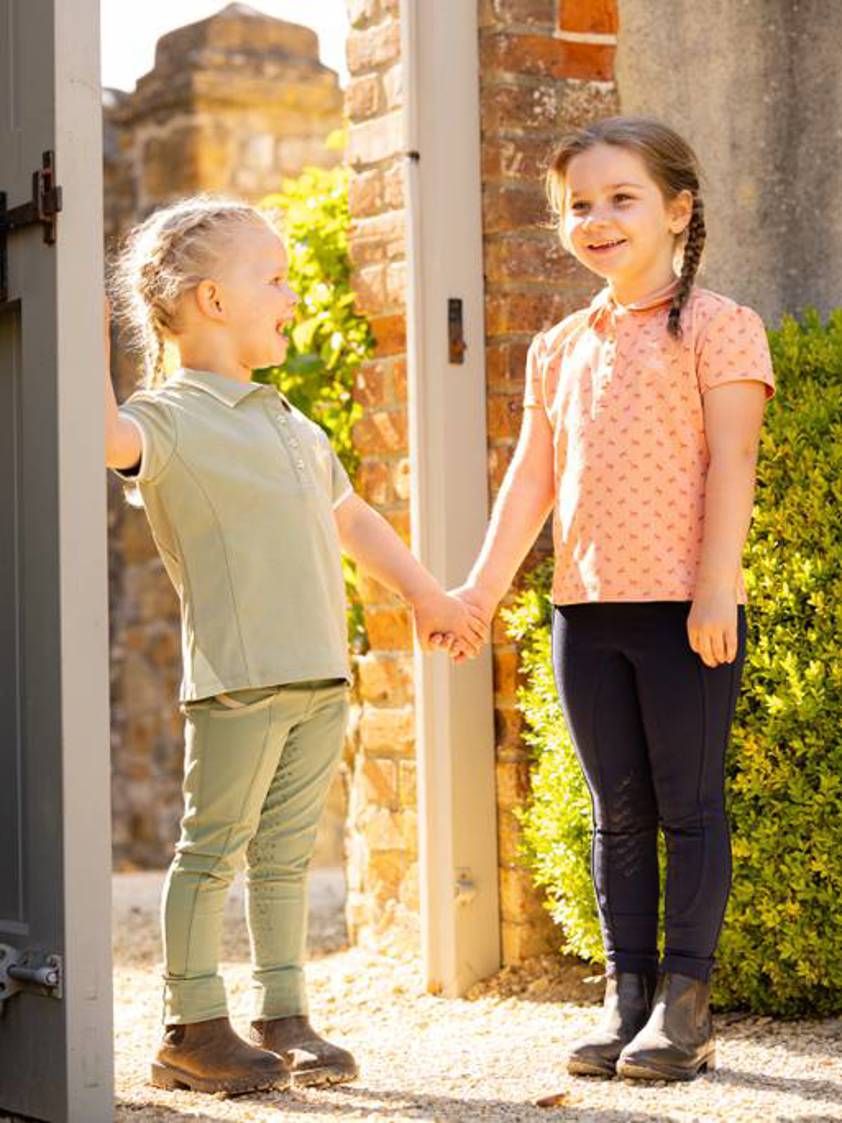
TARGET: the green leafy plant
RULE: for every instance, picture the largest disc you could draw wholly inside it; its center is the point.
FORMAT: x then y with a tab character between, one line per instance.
329	339
779	951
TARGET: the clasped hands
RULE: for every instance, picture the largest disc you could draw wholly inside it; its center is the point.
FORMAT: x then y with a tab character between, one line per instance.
458	622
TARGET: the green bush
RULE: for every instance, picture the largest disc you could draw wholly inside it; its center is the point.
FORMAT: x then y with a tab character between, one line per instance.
329	338
780	948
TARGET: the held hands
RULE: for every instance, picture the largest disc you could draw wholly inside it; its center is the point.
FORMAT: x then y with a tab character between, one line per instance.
438	614
478	602
712	625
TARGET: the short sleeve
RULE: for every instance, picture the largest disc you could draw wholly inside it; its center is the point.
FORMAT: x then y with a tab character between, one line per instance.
533	397
335	477
341	483
734	348
153	418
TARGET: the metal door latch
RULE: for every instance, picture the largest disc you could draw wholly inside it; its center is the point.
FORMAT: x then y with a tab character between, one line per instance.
456	345
465	888
43	207
29	970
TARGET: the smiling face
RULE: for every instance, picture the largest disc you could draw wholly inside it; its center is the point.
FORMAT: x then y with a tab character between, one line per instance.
617	222
256	297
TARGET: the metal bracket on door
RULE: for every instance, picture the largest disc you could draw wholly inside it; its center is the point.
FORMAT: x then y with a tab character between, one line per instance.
29	970
43	207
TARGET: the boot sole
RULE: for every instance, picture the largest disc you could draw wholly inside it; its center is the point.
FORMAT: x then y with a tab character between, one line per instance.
578	1067
173	1079
633	1071
310	1078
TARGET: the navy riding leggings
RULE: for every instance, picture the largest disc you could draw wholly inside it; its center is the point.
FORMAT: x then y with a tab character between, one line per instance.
650	724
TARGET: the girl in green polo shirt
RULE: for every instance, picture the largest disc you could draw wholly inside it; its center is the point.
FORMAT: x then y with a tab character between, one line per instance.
250	509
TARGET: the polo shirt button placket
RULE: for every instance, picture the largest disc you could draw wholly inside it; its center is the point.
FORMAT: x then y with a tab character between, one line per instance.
296	451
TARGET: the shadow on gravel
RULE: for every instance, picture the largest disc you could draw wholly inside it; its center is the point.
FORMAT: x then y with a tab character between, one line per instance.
397	1105
807	1087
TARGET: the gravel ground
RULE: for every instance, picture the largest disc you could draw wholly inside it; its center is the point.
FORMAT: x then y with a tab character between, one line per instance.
427	1058
487	1057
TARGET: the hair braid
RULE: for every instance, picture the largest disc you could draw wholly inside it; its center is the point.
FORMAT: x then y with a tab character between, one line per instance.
171	252
690	264
669	160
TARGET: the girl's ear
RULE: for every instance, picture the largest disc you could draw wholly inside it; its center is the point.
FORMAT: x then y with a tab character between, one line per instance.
209	299
680	212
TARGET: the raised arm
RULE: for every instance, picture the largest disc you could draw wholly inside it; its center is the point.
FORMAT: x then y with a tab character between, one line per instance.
122	439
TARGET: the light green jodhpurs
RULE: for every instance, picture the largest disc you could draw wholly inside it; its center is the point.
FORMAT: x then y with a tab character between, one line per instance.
258	765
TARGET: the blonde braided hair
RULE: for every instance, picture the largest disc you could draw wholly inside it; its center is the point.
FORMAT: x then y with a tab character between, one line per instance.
670	161
165	256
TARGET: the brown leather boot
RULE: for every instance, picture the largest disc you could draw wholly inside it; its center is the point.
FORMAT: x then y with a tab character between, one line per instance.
210	1057
677	1042
627	1005
312	1060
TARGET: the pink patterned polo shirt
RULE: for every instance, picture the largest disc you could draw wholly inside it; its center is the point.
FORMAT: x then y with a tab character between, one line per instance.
624	400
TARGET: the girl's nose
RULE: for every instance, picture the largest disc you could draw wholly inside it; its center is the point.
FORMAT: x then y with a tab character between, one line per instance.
592	218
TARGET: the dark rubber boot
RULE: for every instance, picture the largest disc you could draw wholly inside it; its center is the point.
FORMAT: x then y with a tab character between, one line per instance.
627	1005
312	1060
677	1042
210	1057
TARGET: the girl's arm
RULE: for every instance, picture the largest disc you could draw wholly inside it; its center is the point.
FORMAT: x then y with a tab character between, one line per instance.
122	439
733	418
377	548
525	499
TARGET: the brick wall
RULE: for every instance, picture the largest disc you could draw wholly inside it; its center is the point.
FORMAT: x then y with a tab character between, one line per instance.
545	66
383	837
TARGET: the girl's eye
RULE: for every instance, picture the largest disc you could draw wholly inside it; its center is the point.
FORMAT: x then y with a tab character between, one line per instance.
579	206
621	198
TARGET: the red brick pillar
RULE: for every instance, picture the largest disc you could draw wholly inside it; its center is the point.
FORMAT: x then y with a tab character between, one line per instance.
382	830
547	65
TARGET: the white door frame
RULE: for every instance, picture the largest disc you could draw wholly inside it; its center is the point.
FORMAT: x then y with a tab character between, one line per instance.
449	485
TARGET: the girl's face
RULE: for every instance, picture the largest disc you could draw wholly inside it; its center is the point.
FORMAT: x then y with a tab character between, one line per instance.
617	221
255	296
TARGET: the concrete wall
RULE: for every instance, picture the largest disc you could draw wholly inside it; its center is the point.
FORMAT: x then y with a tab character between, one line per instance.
756	87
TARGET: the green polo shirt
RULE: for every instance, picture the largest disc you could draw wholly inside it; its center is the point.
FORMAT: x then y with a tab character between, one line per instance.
239	488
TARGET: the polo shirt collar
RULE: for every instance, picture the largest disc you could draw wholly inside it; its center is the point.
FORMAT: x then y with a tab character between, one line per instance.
605	307
219	386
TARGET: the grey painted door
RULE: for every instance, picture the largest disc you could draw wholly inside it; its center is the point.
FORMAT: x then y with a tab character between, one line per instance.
55	1041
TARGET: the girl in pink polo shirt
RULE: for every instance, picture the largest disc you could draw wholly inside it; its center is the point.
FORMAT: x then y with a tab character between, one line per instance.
640	433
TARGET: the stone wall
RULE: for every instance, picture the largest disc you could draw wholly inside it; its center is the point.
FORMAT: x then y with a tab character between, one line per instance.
544	66
760	98
233	104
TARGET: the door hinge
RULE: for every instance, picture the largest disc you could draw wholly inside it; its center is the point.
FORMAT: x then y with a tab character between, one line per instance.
26	969
43	207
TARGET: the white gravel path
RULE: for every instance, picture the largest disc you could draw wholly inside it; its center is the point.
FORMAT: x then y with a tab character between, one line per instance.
427	1058
487	1057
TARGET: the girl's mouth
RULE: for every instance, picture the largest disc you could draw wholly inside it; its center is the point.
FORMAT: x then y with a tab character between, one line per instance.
605	247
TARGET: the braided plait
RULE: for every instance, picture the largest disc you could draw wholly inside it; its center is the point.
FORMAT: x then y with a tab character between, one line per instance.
167	255
693	247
